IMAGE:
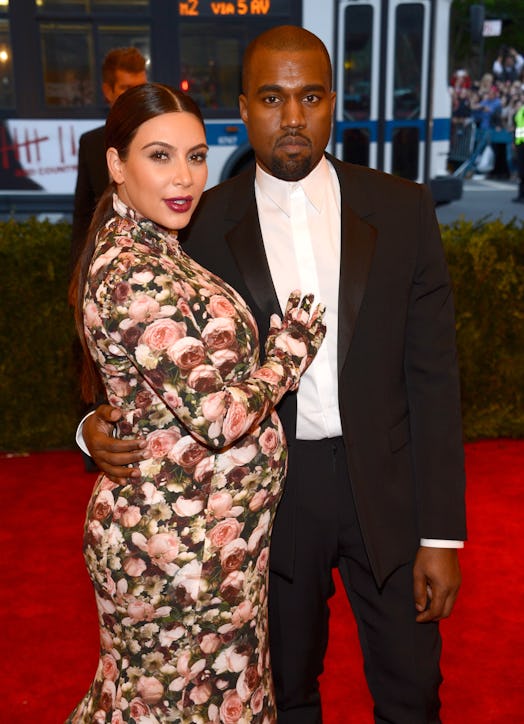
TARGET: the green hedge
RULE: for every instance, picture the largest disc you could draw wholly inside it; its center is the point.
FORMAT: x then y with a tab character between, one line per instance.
39	396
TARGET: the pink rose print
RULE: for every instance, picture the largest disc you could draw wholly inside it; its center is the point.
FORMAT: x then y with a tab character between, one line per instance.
186	508
104	504
150	689
201	693
219	306
187	452
163	547
134	567
235	421
257	700
220	503
269	441
138	708
109	667
204	378
160	442
268	375
143	308
162	333
187	353
214	406
291	345
232	708
224	532
257	501
232	555
209	643
107	697
247	682
219	334
262	560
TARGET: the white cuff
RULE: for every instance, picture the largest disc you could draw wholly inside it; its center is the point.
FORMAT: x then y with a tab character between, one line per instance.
79	437
436	543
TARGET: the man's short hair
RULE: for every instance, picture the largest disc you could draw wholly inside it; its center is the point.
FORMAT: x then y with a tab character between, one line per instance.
286	38
129	59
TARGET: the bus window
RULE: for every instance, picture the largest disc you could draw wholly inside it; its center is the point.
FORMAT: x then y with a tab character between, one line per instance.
356	146
405	159
357	62
68	65
7	91
210	66
409	34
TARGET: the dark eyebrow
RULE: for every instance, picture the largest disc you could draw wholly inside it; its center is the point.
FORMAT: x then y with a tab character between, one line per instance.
313	88
169	146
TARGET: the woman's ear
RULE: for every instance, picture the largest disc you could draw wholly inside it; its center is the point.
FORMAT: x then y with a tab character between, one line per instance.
115	165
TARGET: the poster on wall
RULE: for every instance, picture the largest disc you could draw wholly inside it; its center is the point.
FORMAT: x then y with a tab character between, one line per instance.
41	155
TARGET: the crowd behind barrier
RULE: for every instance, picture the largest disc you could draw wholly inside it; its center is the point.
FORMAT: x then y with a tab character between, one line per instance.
483	118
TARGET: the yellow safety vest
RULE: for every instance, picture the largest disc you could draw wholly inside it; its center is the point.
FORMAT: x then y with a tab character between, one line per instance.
519	126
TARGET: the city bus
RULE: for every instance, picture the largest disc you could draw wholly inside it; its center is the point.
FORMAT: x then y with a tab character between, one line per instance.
390	70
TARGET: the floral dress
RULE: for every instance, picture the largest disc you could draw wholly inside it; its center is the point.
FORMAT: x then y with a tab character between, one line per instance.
179	557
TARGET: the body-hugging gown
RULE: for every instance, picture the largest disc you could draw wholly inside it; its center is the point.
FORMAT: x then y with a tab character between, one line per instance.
179	557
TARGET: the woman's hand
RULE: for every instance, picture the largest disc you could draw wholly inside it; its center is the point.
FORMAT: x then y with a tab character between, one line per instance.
295	339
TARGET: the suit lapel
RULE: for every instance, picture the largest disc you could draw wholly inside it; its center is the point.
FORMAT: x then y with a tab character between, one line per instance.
357	249
247	247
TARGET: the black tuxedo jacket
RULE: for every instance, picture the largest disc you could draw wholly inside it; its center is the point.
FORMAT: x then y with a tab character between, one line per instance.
397	367
91	181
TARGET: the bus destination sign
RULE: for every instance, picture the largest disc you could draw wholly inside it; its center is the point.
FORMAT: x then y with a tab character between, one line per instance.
233	8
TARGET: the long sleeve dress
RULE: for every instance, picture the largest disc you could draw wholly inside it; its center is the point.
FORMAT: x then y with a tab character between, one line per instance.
178	558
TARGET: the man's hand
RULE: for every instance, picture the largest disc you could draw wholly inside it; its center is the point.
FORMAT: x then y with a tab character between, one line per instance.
436	582
111	455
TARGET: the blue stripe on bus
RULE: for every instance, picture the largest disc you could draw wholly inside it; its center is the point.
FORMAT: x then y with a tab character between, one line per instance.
234	133
441	129
226	134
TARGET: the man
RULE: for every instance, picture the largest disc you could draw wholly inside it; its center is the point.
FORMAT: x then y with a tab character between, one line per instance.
122	68
375	484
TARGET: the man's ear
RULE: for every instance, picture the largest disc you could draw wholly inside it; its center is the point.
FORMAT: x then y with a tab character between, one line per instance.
242	103
109	93
115	165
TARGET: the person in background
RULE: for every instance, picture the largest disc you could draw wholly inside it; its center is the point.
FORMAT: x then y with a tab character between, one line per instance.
122	68
179	561
375	484
519	151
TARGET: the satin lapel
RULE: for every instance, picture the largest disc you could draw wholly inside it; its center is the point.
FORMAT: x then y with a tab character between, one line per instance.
247	247
358	246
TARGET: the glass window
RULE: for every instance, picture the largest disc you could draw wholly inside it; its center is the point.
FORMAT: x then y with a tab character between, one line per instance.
357	62
210	62
406	153
7	91
409	34
68	65
120	36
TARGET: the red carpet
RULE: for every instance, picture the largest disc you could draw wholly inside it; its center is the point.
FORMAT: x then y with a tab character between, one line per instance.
49	635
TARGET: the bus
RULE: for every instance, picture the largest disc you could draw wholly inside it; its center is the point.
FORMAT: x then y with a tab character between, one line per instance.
393	109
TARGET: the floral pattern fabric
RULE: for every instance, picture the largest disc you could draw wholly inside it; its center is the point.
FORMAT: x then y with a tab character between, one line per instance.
179	557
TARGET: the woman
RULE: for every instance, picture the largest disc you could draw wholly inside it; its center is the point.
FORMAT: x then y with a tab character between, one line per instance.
178	558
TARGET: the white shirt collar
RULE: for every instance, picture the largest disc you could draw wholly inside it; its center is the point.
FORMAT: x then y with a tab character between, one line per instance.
314	186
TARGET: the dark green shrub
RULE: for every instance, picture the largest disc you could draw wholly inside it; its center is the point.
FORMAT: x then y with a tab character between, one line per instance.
39	392
486	266
39	398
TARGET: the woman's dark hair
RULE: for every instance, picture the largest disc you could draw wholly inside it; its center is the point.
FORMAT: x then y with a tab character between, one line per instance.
130	110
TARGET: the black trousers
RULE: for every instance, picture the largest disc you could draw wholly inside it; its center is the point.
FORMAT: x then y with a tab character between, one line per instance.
520	168
401	657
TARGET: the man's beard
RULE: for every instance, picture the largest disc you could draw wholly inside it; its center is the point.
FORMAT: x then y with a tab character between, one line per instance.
291	169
